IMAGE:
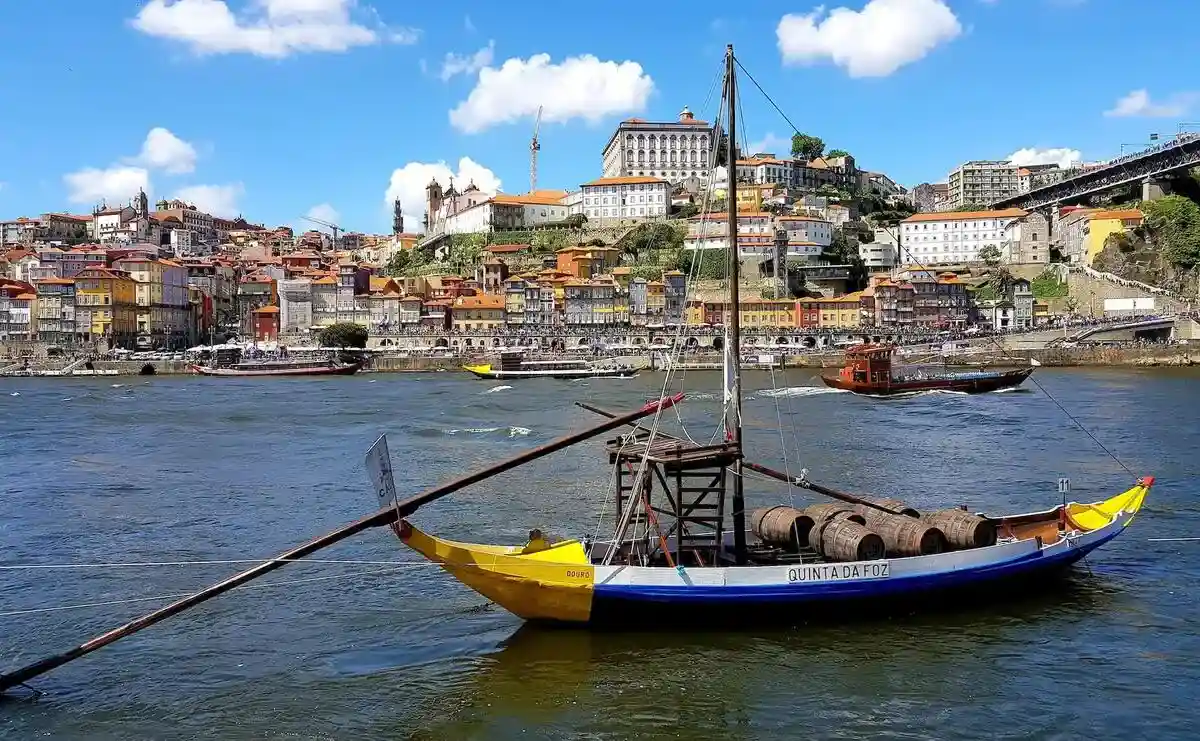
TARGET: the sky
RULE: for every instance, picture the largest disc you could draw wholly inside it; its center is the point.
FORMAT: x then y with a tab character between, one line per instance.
280	109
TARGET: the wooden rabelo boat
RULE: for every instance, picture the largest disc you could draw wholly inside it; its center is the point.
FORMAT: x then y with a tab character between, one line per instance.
683	542
868	370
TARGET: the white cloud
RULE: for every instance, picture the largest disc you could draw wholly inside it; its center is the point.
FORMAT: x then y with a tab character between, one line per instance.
580	87
1061	156
116	184
162	150
468	26
324	212
779	145
408	184
1138	103
873	42
218	200
468	65
268	28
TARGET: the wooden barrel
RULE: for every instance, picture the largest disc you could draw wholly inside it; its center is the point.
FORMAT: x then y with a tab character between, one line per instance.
963	529
821	512
908	536
845	540
785	527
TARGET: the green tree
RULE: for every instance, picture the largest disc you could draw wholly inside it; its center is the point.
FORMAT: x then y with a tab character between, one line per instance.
688	210
1173	224
343	335
400	262
990	255
804	145
837	153
971	207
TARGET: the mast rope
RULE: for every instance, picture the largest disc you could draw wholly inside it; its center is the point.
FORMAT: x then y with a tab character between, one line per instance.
921	267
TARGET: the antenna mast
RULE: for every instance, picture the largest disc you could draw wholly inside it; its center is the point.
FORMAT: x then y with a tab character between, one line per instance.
534	146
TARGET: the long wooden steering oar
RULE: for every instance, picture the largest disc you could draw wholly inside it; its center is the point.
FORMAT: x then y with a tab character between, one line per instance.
386	516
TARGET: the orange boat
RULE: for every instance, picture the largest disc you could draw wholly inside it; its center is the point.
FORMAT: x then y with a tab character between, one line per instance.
869	371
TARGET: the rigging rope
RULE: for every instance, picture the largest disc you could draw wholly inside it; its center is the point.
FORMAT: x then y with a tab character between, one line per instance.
921	267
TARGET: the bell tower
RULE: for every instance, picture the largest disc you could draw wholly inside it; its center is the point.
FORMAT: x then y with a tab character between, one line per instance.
433	203
397	218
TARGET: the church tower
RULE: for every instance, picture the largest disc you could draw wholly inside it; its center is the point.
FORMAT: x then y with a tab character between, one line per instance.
141	204
433	203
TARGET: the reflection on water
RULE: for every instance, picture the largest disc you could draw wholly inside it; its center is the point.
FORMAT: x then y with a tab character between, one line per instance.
211	469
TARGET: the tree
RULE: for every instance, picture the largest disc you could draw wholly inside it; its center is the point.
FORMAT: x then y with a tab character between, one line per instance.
990	255
688	210
343	335
837	153
399	262
804	145
1173	224
971	207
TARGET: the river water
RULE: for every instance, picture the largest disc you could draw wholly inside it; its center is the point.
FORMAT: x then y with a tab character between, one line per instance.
193	469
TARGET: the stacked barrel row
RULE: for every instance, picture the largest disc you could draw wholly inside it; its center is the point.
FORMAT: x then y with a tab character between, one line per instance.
861	532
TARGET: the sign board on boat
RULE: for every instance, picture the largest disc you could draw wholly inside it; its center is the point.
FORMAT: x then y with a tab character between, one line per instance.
379	468
840	571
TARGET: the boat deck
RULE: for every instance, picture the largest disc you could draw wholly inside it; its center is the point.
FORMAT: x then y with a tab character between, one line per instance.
671	452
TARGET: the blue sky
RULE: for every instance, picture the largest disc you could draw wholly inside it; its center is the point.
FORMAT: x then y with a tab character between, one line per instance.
278	108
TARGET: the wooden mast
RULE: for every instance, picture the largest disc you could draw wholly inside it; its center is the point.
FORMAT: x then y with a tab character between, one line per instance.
733	390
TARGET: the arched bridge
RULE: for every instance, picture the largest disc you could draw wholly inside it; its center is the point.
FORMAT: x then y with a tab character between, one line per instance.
1180	153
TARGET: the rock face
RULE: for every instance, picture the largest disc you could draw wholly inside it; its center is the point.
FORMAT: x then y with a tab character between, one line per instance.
1132	256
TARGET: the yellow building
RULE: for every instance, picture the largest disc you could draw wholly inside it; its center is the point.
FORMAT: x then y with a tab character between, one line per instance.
768	313
106	306
843	312
484	311
1101	224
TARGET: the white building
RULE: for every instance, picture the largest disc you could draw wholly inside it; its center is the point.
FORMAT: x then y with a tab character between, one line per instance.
955	237
295	306
574	202
807	236
614	199
878	255
473	212
673	150
765	169
982	182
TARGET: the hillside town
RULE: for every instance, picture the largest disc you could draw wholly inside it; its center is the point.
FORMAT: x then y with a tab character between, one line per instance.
826	244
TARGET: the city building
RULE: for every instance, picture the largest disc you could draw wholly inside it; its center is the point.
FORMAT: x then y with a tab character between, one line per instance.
626	198
982	182
956	237
161	297
1029	241
1102	224
590	303
56	311
672	150
18	311
480	312
473	211
878	255
106	307
807	236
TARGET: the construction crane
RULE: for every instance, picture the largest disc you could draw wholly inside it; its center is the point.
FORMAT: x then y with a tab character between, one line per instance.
534	146
321	222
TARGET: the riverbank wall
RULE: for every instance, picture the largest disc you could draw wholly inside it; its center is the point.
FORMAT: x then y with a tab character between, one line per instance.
1053	357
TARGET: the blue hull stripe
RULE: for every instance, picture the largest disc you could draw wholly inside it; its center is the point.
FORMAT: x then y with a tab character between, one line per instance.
1028	565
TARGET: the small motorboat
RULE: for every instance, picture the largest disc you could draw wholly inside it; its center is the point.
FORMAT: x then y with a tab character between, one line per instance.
868	371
